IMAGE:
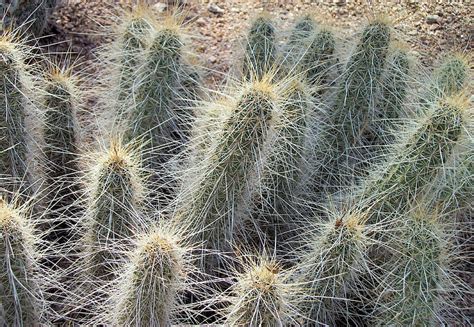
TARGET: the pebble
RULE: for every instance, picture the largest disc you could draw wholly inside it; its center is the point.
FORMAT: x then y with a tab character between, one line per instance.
432	19
215	9
201	21
212	59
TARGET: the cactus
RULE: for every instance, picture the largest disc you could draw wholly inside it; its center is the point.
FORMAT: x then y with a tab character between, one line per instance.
418	287
15	85
210	205
261	296
113	217
19	294
353	110
128	50
450	77
150	285
303	29
153	117
61	136
260	52
30	15
282	168
417	157
318	58
329	269
392	104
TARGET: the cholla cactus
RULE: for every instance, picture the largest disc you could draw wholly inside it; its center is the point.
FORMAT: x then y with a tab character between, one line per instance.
261	296
19	294
15	96
113	215
149	289
260	52
210	202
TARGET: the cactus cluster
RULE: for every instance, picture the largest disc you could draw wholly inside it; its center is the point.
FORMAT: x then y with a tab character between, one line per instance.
311	190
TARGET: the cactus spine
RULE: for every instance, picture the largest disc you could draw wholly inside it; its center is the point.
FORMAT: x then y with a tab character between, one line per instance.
18	293
261	296
116	197
15	84
317	60
211	206
283	164
150	285
260	52
153	117
30	15
329	270
61	133
418	286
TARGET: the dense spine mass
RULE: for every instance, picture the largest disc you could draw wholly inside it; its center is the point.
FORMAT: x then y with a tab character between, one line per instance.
260	53
211	209
151	282
18	293
14	82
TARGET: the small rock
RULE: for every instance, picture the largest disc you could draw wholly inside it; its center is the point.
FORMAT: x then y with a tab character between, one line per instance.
212	59
412	32
201	21
215	9
432	19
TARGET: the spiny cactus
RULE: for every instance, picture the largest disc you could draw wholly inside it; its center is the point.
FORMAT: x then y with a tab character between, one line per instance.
282	167
19	295
153	116
303	29
128	49
61	137
417	289
260	52
210	203
450	77
261	296
417	157
329	270
30	15
317	59
343	147
14	96
395	89
113	216
149	289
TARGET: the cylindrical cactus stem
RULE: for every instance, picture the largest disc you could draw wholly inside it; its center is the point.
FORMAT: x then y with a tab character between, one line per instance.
449	78
355	99
260	51
353	110
318	58
417	157
113	214
211	202
395	88
283	166
297	40
19	294
61	136
304	27
148	291
153	116
416	288
328	270
15	90
261	296
129	49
